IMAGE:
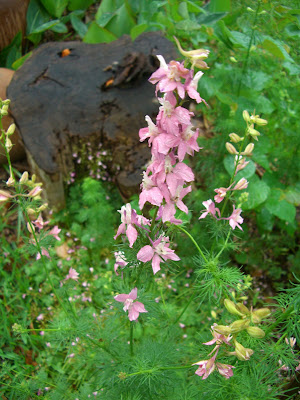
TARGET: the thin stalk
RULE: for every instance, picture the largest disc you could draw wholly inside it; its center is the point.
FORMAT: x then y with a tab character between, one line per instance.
131	339
249	48
149	371
224	245
194	241
185	308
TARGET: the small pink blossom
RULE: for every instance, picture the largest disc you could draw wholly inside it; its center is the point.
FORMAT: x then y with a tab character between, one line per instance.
235	219
242	184
221	193
40	223
73	274
54	232
158	252
191	86
134	308
120	261
211	209
44	253
40	317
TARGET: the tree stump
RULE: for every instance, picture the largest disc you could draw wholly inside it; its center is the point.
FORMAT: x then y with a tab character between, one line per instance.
70	93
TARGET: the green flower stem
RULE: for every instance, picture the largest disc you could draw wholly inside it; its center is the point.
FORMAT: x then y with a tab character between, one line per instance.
249	48
44	264
149	371
153	220
193	240
131	339
185	308
224	245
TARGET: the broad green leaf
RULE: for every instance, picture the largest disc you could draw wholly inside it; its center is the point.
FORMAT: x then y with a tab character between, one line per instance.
292	195
183	10
20	61
46	26
264	105
256	80
258	193
262	160
223	33
279	207
60	28
121	23
78	25
219	5
265	220
292	30
137	30
276	47
97	34
55	7
36	16
194	8
104	19
108	6
188	25
247	172
240	38
79	4
11	52
210	19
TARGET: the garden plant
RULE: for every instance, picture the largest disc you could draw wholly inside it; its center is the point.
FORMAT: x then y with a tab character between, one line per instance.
187	291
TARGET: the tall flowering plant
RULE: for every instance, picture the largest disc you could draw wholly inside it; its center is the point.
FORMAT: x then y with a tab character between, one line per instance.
167	180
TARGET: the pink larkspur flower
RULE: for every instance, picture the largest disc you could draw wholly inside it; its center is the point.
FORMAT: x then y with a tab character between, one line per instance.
73	274
133	307
120	261
235	219
54	232
191	87
158	252
211	209
44	253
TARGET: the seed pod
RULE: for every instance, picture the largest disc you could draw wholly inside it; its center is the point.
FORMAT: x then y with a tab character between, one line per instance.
231	307
255	332
230	148
239	325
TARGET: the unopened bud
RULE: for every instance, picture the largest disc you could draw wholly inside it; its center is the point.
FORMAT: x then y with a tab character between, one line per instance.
8	144
242	184
235	138
31	213
10	181
261	122
4	110
242	352
239	325
30	228
248	150
35	192
230	148
255	332
232	59
223	329
253	133
11	129
24	178
42	207
243	309
246	116
213	314
5	195
262	312
231	307
6	102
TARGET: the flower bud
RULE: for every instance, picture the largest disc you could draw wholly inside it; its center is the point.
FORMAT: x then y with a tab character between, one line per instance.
223	329
42	207
30	228
8	144
231	307
259	314
233	59
255	332
242	352
248	150
253	133
10	181
239	325
6	102
261	122
24	178
243	309
235	138
10	130
31	213
230	148
242	184
246	116
4	195
35	192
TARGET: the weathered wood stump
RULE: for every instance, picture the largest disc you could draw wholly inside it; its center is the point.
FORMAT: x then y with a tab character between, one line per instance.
96	93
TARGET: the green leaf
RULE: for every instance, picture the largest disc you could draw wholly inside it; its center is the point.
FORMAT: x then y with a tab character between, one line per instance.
20	61
219	5
78	25
188	25
121	23
276	47
79	4
247	172
60	28
45	27
210	19
265	220
279	207
258	193
35	17
11	52
240	38
137	30
264	105
183	10
256	80
55	7
292	195
97	34
223	33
